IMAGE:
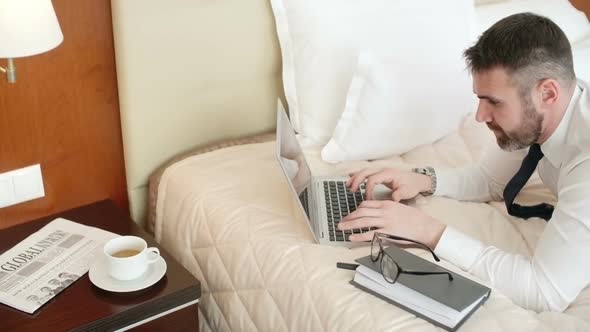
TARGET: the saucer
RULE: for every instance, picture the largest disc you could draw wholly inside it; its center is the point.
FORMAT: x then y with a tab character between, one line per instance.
100	278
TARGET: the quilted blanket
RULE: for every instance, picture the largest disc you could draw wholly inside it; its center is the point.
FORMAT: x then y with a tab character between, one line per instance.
229	218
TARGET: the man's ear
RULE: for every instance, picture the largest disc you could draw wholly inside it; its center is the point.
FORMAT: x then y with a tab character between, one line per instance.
549	90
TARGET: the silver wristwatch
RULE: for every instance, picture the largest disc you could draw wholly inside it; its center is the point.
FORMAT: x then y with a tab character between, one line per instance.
431	173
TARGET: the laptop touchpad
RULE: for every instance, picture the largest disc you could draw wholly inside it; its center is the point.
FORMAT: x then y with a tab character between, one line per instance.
381	193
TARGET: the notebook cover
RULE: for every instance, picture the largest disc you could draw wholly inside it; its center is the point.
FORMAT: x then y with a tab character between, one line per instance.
426	318
457	294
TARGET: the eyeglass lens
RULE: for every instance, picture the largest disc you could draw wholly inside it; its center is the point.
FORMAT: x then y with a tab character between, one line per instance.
375	248
389	269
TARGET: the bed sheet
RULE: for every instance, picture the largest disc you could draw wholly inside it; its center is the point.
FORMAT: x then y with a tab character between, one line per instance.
229	218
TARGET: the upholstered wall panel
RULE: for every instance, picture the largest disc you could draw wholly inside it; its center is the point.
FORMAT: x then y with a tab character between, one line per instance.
189	73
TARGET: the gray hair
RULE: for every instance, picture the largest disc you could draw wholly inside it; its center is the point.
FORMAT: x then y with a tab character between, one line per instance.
529	47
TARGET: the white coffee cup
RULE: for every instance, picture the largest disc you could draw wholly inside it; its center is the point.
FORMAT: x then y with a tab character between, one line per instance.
128	257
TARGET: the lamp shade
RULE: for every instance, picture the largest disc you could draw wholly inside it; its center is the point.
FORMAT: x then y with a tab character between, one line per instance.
27	27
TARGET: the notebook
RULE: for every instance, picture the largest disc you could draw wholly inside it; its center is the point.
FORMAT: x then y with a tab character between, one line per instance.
443	302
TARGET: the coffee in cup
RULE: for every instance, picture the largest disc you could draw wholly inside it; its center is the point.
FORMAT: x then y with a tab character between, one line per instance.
128	257
126	253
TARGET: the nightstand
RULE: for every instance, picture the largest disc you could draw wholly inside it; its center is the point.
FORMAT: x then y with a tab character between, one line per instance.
169	305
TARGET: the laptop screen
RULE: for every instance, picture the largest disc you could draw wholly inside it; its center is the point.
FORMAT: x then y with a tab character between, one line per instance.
290	154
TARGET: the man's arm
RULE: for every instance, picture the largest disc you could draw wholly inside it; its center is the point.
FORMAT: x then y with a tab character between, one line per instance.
558	270
483	181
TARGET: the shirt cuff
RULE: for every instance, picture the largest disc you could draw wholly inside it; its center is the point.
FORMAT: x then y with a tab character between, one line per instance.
446	182
458	248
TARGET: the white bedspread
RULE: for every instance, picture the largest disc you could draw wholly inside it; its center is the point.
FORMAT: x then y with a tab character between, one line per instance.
228	217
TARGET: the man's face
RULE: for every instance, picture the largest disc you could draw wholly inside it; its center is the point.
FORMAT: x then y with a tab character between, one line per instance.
514	120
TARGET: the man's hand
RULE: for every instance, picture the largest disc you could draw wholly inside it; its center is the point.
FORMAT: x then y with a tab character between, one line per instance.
405	185
396	219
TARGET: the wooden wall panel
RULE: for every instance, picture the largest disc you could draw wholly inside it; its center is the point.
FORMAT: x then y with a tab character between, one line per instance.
63	113
583	5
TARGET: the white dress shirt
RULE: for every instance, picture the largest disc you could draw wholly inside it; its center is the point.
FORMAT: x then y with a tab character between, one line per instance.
560	267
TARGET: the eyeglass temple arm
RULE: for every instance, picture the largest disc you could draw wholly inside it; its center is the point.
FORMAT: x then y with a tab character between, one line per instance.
399	238
422	273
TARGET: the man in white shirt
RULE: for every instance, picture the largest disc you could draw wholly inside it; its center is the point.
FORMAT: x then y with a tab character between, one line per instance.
529	97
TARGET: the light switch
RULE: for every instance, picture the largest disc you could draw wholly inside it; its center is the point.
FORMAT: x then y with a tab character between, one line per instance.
6	191
28	184
21	185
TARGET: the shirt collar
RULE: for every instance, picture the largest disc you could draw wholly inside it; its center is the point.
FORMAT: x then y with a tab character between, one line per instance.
553	147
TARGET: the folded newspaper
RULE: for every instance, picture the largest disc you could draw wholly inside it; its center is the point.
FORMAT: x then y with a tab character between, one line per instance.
48	261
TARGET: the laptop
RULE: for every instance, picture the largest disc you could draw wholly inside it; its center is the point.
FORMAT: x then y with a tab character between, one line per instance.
324	201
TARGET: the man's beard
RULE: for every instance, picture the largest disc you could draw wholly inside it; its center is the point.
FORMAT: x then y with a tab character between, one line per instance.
528	133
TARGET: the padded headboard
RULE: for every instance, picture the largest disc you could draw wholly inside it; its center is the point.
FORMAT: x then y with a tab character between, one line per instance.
191	72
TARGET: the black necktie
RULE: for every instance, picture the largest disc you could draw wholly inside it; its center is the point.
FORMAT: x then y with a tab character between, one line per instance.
515	184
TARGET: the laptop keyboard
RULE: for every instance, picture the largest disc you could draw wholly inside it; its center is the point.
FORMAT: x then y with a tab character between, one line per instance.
339	203
303	197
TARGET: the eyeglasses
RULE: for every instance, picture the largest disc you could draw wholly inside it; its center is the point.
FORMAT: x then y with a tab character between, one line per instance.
389	267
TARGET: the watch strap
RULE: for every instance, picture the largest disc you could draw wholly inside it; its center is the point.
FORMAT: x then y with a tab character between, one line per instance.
429	171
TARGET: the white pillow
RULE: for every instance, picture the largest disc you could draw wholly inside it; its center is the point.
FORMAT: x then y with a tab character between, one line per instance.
483	2
393	107
573	22
581	54
320	41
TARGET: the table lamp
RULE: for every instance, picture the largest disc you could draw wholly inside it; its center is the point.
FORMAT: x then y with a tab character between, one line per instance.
27	27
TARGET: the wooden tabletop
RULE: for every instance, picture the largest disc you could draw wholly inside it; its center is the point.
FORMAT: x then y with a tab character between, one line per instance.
84	307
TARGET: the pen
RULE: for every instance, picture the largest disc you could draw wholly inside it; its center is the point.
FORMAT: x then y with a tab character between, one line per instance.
346	266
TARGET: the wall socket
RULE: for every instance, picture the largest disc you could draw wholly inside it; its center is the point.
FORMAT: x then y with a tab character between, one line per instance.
21	185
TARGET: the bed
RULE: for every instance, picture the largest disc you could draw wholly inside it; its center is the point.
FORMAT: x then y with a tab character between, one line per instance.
198	121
